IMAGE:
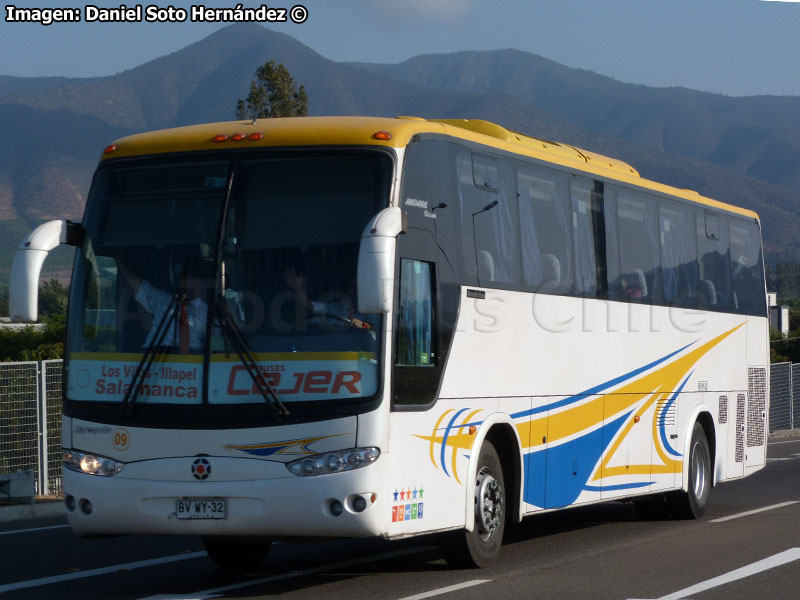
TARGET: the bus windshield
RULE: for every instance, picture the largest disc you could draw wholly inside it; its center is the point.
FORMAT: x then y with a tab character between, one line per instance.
213	278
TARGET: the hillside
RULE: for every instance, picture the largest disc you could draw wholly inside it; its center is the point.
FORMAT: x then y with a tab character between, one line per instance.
742	150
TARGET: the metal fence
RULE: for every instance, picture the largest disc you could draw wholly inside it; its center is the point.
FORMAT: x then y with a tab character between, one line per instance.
30	421
784	408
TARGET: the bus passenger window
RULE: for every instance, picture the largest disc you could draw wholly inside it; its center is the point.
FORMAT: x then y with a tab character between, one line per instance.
639	246
415	337
546	224
747	271
584	238
678	254
713	249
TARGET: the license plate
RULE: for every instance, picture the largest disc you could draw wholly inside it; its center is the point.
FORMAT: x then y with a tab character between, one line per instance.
201	508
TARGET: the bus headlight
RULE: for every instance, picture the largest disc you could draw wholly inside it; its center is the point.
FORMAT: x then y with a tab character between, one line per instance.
333	462
91	464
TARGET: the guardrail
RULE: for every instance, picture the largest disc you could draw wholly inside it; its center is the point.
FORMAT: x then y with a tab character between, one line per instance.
30	422
784	396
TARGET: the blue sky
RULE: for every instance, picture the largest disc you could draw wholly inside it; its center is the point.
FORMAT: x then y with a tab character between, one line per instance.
736	47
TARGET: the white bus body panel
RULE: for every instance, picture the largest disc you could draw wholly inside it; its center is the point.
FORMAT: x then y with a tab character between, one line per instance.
603	396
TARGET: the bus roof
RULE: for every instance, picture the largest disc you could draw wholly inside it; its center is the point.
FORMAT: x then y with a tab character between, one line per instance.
360	131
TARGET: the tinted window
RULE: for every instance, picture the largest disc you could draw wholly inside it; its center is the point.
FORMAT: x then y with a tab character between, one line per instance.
637	218
584	237
489	232
747	273
678	253
546	224
484	172
428	183
713	250
415	316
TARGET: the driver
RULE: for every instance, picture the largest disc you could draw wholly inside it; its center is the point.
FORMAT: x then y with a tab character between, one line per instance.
188	332
340	309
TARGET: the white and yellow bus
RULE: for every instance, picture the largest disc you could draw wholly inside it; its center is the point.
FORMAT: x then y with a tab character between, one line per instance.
392	327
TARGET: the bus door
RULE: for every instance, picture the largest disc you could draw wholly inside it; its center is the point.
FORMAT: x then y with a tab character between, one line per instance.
422	496
417	366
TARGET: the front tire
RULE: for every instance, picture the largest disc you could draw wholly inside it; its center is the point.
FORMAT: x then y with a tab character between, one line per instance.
692	503
481	546
236	555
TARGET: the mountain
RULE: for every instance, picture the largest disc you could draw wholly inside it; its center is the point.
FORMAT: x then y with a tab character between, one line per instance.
741	150
759	136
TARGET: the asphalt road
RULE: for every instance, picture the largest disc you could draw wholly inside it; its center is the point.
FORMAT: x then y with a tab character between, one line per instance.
601	551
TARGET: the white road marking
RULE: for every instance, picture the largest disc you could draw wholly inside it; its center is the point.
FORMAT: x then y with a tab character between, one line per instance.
446	590
32	530
21	585
213	592
753	512
786	442
766	564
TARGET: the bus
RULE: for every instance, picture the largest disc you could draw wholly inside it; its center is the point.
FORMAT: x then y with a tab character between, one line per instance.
389	327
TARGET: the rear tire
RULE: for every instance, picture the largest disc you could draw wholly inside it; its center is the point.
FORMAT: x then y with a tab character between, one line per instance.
692	503
481	546
236	554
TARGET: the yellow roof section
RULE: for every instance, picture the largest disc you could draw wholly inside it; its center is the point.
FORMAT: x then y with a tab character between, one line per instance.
360	131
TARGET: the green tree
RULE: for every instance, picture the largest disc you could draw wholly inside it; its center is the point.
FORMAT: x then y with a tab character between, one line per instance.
53	298
273	94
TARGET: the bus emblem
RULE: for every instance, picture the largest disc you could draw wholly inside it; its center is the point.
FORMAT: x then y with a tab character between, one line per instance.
201	469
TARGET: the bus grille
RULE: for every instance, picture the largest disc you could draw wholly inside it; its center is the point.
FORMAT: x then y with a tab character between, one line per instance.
723	410
740	427
756	405
667	417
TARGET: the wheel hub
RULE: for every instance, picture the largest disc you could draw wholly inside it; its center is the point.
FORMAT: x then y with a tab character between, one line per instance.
699	471
488	504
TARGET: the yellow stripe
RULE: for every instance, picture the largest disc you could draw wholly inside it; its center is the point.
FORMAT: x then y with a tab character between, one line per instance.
433	438
135	358
467	419
229	358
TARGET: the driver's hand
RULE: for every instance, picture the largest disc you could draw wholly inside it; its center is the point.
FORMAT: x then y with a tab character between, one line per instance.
359	324
294	281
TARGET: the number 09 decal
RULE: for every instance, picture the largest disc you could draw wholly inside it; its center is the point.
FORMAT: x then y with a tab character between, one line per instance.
121	438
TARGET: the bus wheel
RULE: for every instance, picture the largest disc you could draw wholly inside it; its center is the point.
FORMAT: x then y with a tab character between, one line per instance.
236	554
692	503
480	547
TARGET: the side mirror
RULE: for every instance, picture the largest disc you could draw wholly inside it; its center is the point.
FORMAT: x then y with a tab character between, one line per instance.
24	283
376	255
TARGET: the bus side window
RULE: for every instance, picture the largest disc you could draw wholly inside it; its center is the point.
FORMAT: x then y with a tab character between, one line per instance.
489	217
679	255
713	250
747	271
637	217
416	327
585	237
546	225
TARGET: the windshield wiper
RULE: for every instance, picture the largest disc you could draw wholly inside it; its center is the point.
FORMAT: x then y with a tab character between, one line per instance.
154	348
232	333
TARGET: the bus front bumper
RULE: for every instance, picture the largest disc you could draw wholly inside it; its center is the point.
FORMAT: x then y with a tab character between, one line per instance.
285	507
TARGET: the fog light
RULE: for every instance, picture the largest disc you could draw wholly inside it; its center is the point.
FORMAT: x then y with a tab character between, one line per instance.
359	504
86	506
336	508
69	502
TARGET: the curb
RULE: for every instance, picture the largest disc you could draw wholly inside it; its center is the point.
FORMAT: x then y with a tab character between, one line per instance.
785	434
42	510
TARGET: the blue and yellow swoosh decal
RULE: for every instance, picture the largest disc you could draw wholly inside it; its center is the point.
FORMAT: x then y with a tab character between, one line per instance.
569	443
